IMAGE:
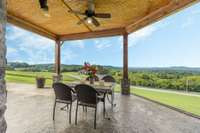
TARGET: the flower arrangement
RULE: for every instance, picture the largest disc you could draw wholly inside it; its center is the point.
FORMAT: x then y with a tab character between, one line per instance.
90	70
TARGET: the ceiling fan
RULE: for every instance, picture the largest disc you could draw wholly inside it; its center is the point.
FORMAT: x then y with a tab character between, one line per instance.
43	5
91	15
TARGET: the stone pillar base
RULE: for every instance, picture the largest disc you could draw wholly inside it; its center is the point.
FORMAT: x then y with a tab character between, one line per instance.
3	92
57	78
125	85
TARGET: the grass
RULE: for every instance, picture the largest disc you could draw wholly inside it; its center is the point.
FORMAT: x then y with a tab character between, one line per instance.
184	102
29	77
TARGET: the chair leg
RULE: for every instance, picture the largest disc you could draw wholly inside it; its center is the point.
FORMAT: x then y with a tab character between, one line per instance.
76	113
104	108
70	112
83	108
95	117
104	104
54	108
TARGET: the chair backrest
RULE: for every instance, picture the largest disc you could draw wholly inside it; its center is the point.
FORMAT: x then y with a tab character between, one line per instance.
62	91
86	94
108	78
96	78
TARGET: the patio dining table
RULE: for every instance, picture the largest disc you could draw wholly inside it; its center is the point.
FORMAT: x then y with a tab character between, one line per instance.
101	87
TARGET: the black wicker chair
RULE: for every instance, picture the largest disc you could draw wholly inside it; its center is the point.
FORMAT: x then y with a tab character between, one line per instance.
108	78
64	94
87	96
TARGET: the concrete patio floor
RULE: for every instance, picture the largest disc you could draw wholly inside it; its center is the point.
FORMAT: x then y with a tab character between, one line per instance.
30	111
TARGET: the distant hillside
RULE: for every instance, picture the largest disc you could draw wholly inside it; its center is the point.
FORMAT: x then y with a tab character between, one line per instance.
50	67
40	67
168	69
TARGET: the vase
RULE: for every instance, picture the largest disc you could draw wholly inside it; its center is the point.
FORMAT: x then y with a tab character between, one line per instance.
40	82
91	80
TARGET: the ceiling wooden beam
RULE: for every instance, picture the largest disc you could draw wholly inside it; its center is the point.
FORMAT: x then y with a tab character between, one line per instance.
93	34
29	26
157	15
79	19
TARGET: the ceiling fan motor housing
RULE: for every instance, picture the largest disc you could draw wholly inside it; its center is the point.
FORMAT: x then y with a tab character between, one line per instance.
43	5
89	13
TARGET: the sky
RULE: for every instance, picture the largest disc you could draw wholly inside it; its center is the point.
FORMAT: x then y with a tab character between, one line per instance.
173	41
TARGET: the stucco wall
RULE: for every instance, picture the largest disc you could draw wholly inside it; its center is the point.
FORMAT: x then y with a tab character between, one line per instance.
3	96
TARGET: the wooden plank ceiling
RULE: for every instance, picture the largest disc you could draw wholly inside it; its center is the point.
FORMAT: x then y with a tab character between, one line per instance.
127	16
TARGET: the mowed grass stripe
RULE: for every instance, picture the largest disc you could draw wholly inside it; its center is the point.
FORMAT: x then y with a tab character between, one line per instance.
184	102
29	77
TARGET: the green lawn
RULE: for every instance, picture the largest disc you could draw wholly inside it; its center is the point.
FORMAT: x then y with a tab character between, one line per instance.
184	102
187	103
29	77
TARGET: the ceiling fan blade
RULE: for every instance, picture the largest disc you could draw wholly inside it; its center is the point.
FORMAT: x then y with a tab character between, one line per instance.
95	22
102	15
82	20
76	12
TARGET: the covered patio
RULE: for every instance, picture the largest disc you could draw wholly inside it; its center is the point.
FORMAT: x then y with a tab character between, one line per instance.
55	20
32	108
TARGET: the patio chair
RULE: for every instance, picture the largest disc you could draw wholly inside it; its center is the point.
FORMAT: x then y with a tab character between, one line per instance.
64	94
96	78
87	96
108	78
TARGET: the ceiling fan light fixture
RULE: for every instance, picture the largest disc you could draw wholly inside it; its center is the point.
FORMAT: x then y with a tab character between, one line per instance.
90	15
46	14
89	20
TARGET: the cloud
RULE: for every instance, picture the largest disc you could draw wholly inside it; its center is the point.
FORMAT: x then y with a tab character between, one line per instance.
187	23
101	44
78	44
67	55
30	47
190	18
141	34
11	50
147	31
14	33
12	53
195	12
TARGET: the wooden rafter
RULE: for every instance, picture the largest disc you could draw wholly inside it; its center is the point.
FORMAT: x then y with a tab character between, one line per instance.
155	16
93	34
76	15
29	26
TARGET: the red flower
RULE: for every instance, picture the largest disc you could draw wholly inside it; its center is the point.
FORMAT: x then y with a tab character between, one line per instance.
86	66
91	70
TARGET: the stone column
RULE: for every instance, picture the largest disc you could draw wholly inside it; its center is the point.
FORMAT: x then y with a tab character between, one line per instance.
3	94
